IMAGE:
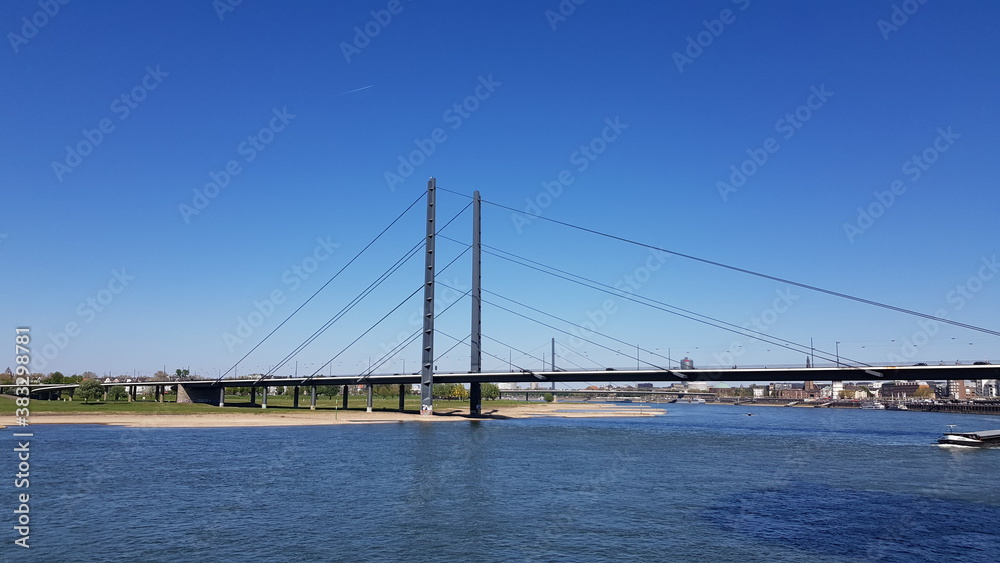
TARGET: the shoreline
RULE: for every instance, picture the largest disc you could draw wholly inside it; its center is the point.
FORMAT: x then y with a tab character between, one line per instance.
261	418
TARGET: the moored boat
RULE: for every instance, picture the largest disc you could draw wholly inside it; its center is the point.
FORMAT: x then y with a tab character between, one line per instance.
873	406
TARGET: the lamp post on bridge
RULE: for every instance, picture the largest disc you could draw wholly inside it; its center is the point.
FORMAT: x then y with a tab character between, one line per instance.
838	353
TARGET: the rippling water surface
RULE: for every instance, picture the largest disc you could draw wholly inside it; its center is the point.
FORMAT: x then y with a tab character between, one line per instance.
703	482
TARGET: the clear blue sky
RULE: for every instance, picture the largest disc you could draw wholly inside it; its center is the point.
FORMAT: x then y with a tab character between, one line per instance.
115	113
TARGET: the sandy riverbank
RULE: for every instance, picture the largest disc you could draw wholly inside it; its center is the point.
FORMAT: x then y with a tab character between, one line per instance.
285	417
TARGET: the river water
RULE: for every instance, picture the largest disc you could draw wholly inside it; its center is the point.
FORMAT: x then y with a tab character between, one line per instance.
702	482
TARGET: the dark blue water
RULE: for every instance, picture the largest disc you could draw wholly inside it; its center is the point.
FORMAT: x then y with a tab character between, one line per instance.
702	483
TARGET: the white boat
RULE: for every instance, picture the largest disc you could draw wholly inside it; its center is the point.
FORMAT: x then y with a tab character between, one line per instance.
981	439
872	406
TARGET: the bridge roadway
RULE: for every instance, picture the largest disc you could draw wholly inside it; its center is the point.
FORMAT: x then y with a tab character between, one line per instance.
210	390
890	373
878	373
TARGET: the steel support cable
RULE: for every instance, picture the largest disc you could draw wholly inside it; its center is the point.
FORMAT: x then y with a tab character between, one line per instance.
609	337
365	333
385	358
454	192
586	282
558	329
351	261
384	317
463	342
481	350
453	346
742	331
407	341
522	352
357	299
620	293
398	348
494	356
569	333
759	274
345	309
581	355
413	336
567	360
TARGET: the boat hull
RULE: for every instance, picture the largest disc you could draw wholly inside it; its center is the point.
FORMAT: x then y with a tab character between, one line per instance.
986	439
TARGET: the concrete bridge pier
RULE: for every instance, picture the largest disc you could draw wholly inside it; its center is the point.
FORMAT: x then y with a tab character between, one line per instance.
402	397
263	397
312	400
206	395
345	397
158	394
253	396
475	399
135	392
295	398
368	392
222	396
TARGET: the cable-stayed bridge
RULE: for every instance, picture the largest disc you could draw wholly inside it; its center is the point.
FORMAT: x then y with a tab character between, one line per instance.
658	367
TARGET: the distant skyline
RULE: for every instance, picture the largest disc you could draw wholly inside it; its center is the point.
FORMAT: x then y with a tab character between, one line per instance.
180	177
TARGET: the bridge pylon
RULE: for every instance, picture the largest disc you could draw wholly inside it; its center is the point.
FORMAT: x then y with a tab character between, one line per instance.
427	356
476	359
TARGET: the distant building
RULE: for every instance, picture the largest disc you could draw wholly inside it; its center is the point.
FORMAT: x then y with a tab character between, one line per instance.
687	363
647	386
861	393
986	388
899	390
956	389
797	394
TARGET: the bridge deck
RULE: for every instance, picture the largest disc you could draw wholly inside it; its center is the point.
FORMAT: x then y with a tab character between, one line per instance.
953	372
